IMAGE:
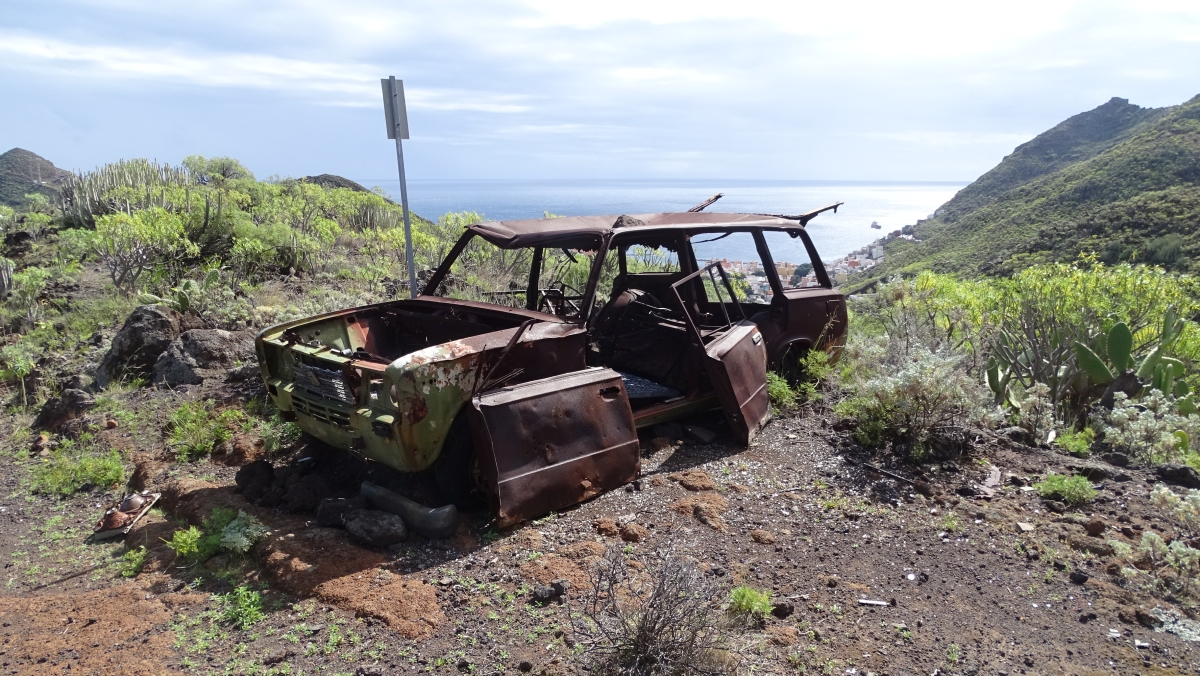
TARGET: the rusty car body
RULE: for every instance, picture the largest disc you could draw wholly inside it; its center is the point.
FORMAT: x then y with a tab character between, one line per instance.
534	395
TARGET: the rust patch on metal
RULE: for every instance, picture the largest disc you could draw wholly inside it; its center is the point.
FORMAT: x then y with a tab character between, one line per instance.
555	442
417	410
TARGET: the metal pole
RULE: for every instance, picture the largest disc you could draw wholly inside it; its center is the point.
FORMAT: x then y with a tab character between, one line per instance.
408	247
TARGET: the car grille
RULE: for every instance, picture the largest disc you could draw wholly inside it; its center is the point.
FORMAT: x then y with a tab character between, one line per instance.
320	413
322	383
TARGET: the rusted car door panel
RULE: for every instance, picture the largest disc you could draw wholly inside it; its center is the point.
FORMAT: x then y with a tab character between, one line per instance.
735	357
736	363
813	314
554	442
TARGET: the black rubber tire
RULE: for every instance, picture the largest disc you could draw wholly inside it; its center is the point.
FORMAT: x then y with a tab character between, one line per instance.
788	365
453	468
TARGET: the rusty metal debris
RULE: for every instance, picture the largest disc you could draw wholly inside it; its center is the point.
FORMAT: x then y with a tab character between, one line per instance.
121	516
706	203
532	391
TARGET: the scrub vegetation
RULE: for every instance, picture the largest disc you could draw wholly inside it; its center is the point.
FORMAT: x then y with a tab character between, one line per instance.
1099	355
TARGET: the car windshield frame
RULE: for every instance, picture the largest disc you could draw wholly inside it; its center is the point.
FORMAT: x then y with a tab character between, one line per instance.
591	234
593	245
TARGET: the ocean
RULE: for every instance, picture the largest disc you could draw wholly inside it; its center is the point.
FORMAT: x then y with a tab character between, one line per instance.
891	204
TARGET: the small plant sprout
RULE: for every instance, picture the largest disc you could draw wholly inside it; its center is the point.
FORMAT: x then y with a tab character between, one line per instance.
950	522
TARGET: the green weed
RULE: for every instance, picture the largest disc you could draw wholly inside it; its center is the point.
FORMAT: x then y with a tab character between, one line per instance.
1073	490
240	607
782	395
132	562
74	467
950	522
814	368
749	601
224	530
275	432
1078	444
193	430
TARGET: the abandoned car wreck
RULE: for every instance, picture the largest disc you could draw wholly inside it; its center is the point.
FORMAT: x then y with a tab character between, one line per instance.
538	348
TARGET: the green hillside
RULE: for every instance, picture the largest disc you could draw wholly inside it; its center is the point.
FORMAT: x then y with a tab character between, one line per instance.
23	172
1120	182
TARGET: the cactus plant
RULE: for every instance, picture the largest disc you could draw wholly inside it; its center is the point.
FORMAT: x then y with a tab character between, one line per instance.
1076	372
1155	370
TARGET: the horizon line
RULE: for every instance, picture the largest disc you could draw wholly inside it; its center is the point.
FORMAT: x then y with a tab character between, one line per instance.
712	180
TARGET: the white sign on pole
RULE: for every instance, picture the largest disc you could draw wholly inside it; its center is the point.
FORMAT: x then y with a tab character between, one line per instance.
394	100
397	128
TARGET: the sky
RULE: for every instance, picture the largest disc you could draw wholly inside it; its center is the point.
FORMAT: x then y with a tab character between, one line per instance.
545	89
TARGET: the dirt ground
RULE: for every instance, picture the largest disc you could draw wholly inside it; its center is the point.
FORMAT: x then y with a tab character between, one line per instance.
890	568
954	584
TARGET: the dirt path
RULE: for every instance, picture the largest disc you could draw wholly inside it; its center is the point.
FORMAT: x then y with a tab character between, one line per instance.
954	585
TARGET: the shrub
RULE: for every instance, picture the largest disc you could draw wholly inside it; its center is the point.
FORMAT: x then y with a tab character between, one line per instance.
1183	562
1073	490
1047	309
186	543
275	432
241	533
931	312
130	244
132	562
781	394
64	474
814	369
28	285
749	602
1185	509
224	530
240	607
871	422
19	360
1026	328
1150	429
1032	409
922	398
1078	444
193	431
661	621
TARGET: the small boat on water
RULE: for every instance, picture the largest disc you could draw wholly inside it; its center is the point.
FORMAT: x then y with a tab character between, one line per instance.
875	225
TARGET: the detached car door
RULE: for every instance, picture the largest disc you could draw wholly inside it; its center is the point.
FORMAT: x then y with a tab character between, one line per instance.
550	443
735	357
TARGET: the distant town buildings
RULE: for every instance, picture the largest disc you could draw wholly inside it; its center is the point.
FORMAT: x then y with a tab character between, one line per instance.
740	267
839	270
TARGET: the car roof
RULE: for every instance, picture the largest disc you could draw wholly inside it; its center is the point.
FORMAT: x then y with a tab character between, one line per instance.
571	230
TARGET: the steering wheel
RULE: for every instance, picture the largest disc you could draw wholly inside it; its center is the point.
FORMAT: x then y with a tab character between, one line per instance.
557	301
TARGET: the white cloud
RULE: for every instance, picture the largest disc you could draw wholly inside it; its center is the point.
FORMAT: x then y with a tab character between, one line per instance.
205	69
877	28
765	88
462	99
646	73
331	83
952	138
